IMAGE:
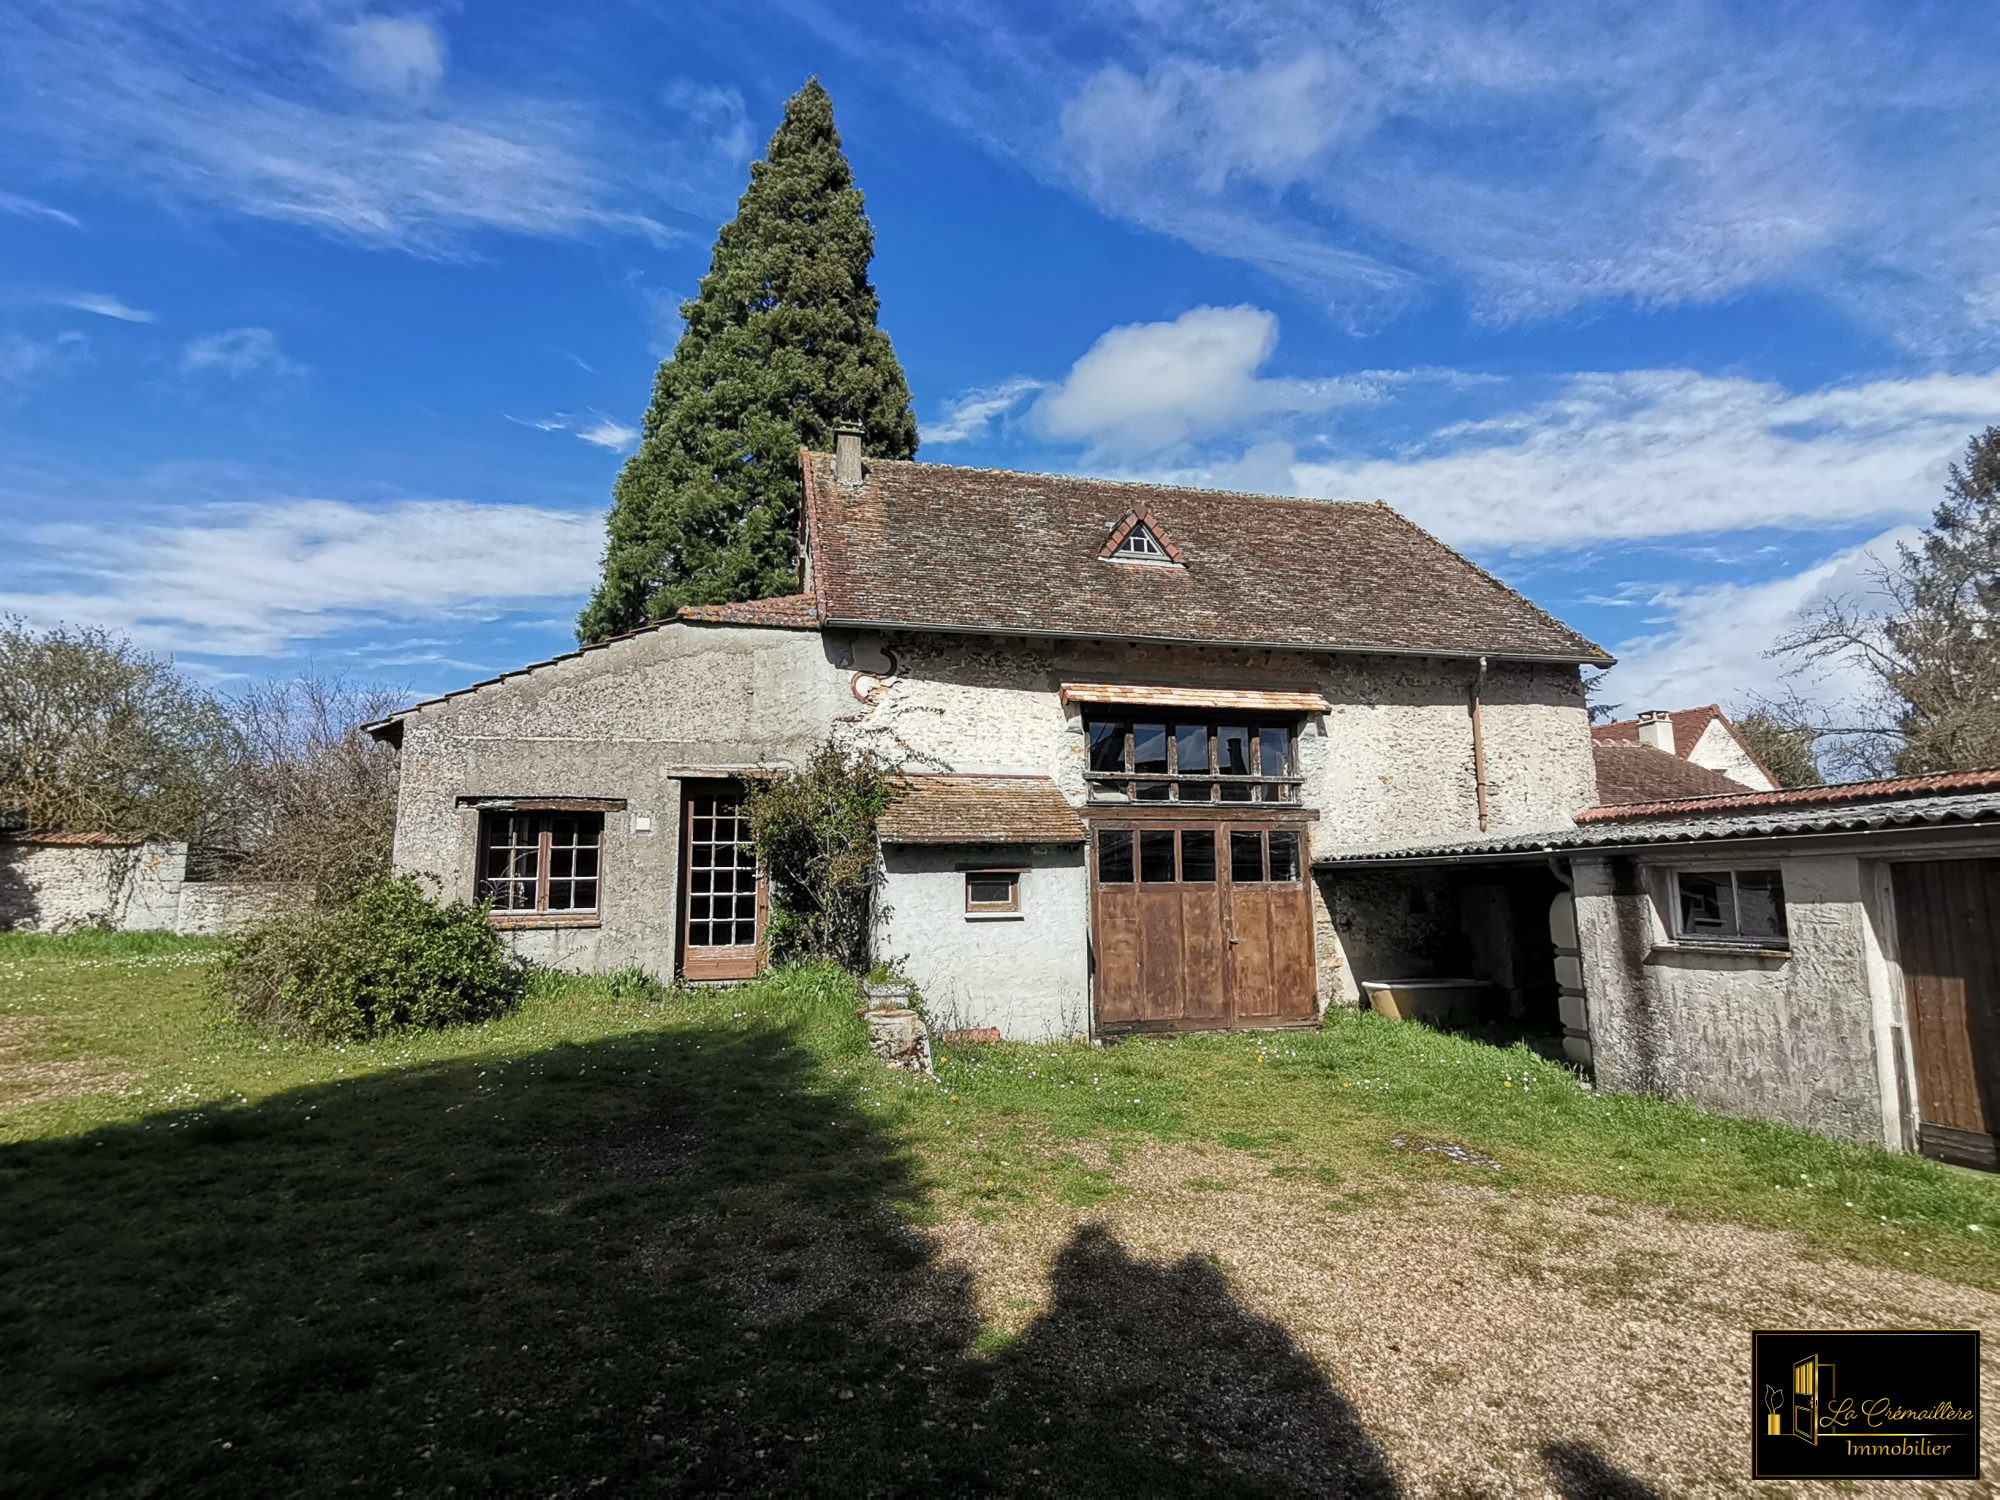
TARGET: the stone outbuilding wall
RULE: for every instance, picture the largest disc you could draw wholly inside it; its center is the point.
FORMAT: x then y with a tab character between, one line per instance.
59	883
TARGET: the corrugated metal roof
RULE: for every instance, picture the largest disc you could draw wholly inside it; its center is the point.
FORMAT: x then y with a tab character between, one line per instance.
1821	817
1247	700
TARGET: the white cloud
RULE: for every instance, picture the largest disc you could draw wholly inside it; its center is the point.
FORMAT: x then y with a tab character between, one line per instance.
1536	156
1713	647
974	413
1149	387
34	208
255	580
398	55
22	357
236	352
605	433
102	304
1655	453
596	429
214	108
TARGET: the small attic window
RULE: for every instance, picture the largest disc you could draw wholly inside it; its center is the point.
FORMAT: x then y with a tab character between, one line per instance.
1141	543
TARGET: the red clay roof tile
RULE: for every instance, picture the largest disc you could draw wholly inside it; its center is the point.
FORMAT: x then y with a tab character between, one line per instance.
1885	790
980	810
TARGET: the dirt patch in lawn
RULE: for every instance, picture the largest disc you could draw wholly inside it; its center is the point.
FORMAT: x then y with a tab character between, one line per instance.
26	1079
1491	1345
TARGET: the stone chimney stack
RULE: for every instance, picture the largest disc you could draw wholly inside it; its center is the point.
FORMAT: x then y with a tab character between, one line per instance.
847	454
1656	728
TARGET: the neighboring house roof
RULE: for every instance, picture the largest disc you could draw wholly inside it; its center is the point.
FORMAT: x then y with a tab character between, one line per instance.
1887	789
932	546
1632	772
980	810
1690	724
1965	797
786	612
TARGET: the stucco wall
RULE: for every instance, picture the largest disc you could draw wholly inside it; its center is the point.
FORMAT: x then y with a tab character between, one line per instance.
626	723
1027	975
1392	761
1719	750
126	888
1789	1039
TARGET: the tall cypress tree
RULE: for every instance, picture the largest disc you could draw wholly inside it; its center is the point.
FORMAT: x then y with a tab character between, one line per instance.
781	346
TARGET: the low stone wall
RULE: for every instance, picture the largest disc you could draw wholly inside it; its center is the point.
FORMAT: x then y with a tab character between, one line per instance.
62	883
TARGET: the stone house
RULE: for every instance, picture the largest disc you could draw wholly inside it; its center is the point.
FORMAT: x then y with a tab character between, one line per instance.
1130	718
1178	760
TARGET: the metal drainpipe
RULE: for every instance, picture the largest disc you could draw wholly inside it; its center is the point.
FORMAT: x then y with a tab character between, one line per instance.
1479	745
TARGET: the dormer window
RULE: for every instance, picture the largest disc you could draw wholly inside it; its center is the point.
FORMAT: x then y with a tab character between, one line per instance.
1139	538
1141	545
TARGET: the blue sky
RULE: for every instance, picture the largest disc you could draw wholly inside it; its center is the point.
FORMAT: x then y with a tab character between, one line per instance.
324	328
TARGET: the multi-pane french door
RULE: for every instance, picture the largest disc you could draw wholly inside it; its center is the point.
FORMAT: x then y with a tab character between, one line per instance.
723	903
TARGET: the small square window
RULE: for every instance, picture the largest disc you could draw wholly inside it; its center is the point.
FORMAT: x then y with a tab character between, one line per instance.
992	891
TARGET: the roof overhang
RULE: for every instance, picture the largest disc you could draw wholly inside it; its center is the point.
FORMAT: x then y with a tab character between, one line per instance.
1025	632
1244	700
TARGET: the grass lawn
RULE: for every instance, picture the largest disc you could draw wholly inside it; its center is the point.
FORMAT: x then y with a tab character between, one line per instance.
629	1240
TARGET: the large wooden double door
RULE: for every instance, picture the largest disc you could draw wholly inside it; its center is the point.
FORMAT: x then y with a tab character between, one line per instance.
1948	946
1200	925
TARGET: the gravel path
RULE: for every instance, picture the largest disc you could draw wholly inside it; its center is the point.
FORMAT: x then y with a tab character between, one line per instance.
1493	1345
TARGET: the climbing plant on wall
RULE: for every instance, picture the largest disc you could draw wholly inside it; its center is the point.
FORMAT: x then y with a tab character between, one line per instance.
815	829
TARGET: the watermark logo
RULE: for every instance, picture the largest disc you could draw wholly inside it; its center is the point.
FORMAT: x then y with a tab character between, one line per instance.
1865	1404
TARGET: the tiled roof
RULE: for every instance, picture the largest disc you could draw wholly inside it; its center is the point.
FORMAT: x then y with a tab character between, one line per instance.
786	612
980	810
1905	802
933	546
1629	772
1887	789
1689	725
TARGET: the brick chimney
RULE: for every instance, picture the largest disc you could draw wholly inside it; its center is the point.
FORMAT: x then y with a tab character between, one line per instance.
1656	728
847	454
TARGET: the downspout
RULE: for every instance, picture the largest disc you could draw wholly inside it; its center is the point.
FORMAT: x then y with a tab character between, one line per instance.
1479	745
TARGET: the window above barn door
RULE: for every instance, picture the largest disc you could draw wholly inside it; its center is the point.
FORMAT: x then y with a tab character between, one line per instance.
1176	759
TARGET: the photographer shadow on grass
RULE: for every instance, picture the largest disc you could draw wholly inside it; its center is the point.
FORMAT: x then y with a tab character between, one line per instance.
672	1259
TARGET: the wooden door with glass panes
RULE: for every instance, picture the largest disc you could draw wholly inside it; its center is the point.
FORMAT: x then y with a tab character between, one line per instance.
723	899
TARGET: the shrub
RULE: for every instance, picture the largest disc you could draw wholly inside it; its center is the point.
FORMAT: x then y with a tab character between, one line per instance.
387	959
815	833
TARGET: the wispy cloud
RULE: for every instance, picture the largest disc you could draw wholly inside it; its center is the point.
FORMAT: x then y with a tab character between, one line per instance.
973	414
596	429
34	208
1536	157
102	304
22	358
236	352
258	579
353	129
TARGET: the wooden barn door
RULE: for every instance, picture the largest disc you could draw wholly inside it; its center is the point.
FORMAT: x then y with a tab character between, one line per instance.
1948	944
723	901
1186	936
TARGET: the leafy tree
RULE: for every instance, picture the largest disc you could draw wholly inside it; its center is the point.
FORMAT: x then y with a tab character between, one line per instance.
1925	641
781	346
97	736
1785	749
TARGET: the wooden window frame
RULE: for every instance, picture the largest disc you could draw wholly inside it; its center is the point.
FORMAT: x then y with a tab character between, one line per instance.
540	914
1778	942
1011	907
1286	783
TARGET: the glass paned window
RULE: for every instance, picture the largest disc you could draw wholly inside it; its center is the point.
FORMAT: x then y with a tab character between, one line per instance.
1140	542
1731	906
1114	857
1156	856
1246	856
992	890
1107	745
1198	855
1149	754
1284	855
540	862
1185	762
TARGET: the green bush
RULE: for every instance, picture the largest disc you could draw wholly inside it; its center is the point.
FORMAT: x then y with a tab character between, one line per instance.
815	833
388	959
